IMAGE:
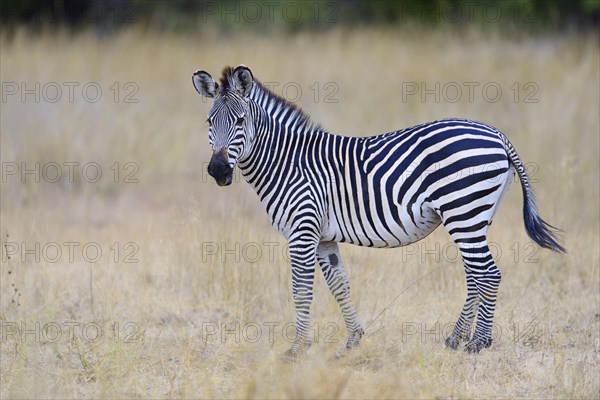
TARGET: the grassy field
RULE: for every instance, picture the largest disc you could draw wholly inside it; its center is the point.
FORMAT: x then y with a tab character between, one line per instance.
126	272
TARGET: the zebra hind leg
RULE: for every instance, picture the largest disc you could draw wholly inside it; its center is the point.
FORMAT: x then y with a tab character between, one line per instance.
483	279
330	261
487	279
467	218
462	328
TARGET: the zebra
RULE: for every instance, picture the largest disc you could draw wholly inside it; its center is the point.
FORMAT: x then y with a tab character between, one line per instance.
320	189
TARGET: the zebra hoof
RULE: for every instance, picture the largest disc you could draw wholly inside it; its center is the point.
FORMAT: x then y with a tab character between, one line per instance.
354	339
341	353
297	351
475	345
291	356
452	342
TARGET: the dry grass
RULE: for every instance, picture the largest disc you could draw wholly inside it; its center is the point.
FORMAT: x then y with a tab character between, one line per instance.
177	292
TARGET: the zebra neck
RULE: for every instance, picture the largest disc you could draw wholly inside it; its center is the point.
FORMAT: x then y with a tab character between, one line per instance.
286	145
282	149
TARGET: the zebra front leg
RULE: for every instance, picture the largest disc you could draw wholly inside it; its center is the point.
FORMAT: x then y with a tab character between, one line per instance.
462	328
330	261
302	254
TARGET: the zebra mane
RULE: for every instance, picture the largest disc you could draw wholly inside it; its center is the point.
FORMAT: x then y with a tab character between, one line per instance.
226	81
263	96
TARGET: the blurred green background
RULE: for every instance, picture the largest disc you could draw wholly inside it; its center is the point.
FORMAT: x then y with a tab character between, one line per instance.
288	15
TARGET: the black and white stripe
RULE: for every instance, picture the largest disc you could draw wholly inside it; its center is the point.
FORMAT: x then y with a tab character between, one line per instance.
380	191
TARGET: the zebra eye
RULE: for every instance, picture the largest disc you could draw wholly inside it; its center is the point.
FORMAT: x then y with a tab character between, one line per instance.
239	122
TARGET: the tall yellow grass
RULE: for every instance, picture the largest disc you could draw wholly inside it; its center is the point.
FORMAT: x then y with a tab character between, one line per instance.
202	255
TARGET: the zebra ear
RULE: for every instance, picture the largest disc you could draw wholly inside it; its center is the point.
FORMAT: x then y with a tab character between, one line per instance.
204	83
243	79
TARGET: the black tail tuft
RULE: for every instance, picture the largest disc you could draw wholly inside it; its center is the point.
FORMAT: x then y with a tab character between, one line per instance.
539	230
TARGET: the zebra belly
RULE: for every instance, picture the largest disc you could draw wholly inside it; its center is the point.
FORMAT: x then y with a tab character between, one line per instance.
382	234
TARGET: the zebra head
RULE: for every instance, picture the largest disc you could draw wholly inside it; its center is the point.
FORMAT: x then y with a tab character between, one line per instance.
229	119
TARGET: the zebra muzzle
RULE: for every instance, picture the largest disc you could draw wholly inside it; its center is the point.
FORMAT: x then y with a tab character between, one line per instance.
219	168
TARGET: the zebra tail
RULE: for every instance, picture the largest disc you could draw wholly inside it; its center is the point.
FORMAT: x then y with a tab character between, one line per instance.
538	230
